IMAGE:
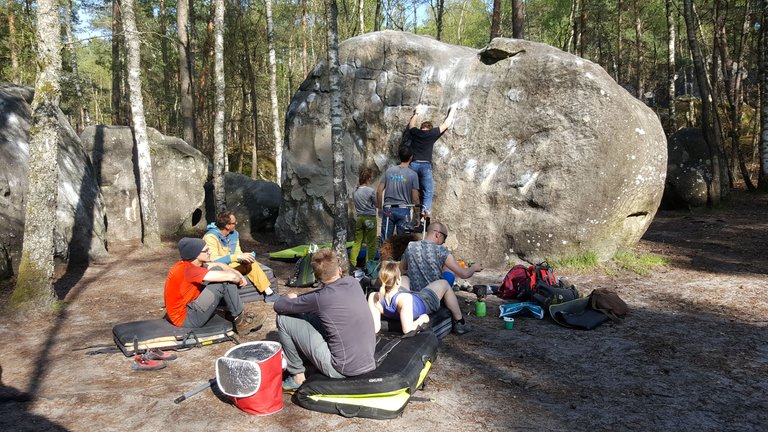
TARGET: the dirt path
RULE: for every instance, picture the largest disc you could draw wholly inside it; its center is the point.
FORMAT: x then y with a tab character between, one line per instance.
692	355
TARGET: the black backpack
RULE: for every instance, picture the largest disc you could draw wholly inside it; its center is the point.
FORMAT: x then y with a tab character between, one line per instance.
545	294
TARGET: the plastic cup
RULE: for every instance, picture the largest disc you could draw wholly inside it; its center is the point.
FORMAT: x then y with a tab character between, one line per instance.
480	308
509	323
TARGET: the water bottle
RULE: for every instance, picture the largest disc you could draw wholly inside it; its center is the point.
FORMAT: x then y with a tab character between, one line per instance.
480	308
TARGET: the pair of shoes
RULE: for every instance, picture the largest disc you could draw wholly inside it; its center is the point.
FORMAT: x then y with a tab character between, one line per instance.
141	362
271	298
289	385
461	329
158	354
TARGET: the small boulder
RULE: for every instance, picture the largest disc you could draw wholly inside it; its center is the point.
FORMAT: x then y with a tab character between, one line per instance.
179	173
255	203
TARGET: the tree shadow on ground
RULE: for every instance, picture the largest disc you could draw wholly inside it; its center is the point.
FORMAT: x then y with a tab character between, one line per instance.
732	238
647	370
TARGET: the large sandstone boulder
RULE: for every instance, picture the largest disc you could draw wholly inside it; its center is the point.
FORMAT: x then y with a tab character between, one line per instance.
179	172
548	156
254	202
689	170
79	233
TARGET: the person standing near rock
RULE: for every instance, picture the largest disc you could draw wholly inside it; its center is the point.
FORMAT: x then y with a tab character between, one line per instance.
423	141
224	242
397	193
365	217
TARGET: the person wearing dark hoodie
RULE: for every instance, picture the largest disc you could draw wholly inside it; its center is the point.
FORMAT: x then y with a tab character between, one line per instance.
224	241
331	327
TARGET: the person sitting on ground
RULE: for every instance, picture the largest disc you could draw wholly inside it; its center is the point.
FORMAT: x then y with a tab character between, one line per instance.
365	219
224	241
411	308
195	287
335	332
397	194
427	260
423	141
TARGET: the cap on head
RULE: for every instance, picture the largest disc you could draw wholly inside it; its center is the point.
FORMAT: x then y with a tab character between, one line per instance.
190	248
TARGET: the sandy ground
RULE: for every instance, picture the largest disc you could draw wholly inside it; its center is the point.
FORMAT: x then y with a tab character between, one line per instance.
692	354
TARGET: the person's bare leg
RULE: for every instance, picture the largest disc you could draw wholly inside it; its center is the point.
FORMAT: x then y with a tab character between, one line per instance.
444	292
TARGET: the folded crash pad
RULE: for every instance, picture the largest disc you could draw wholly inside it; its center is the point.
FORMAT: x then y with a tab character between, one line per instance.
140	336
296	252
403	364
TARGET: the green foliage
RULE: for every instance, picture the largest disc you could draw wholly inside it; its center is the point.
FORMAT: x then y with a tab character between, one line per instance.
641	264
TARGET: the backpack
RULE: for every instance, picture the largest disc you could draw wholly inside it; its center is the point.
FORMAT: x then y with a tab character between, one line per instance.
538	284
520	283
303	276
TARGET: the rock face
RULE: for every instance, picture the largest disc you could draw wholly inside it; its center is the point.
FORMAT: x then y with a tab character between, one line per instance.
179	171
688	170
80	232
548	156
254	202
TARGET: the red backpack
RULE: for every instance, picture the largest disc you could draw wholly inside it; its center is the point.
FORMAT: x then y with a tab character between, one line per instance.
520	281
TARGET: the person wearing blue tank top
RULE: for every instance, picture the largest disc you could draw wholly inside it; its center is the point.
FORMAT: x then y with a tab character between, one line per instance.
412	308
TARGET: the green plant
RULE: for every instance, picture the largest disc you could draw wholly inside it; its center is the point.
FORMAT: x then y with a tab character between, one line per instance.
584	261
641	264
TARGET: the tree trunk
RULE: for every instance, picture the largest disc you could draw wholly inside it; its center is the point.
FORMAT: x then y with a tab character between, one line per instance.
619	41
671	70
253	99
273	95
762	182
304	58
495	19
707	123
219	146
185	74
572	42
439	19
15	75
377	16
34	282
639	53
583	28
117	66
340	195
151	227
361	15
82	109
733	90
202	118
518	14
167	97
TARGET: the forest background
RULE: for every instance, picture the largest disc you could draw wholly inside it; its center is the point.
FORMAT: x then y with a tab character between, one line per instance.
643	44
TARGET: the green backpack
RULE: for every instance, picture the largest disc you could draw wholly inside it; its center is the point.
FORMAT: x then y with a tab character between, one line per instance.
303	276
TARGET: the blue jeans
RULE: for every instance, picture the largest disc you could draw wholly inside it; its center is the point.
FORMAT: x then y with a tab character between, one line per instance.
397	216
426	182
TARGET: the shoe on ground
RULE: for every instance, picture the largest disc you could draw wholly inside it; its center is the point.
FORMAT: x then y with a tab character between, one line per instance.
158	354
247	322
141	362
289	385
461	329
271	298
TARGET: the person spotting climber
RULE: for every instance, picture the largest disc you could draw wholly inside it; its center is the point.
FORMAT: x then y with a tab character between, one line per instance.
397	194
224	242
423	141
364	198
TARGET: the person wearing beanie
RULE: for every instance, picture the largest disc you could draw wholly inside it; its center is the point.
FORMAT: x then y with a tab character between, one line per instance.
224	241
195	286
